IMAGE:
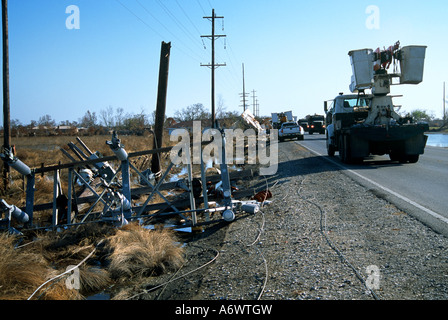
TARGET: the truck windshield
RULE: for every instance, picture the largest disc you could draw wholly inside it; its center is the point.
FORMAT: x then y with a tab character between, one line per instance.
361	102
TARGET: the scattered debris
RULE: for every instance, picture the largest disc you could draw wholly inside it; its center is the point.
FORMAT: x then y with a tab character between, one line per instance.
112	220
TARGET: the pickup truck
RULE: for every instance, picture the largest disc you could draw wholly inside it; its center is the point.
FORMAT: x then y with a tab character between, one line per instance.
290	130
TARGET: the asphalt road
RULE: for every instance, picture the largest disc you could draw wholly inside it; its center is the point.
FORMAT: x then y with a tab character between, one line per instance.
419	189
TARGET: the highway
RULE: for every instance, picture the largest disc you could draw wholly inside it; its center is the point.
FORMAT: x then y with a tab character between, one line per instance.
418	189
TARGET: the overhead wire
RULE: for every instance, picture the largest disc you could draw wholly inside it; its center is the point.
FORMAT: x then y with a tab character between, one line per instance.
195	39
188	17
202	8
196	49
141	20
194	55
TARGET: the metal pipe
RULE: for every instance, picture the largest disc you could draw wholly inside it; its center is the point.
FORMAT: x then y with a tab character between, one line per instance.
8	157
14	212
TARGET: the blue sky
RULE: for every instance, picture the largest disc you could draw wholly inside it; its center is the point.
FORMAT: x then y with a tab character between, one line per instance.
294	53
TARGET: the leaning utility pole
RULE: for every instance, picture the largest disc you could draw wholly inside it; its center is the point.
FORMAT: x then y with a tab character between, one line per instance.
6	101
161	104
213	65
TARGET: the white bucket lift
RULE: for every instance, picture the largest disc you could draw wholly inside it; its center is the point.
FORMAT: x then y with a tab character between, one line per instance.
370	67
411	64
362	68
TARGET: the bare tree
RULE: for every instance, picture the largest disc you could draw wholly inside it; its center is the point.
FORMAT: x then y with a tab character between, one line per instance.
107	117
194	112
89	120
119	117
46	121
220	108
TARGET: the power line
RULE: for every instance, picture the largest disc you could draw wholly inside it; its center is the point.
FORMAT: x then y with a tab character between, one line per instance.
203	11
188	17
178	22
159	34
136	16
230	77
169	31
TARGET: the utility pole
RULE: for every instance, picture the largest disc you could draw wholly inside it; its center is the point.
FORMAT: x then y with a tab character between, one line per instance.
213	65
6	101
254	103
444	99
244	94
161	104
258	109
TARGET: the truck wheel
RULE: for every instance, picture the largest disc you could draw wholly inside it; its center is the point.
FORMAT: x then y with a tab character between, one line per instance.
413	158
330	150
330	147
394	156
344	149
341	148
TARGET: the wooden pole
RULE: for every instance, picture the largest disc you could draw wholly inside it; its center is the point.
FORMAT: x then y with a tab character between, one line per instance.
6	101
161	104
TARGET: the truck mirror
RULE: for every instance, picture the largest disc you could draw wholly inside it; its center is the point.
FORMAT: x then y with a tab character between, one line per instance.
325	106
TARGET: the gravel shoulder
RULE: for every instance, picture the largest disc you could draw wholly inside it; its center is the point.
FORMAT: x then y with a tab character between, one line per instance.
322	237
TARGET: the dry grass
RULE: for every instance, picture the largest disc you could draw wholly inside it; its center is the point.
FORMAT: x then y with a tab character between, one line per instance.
22	272
94	280
138	252
128	254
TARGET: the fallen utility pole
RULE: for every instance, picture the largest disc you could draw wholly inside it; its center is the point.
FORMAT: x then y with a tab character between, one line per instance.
161	104
213	65
6	101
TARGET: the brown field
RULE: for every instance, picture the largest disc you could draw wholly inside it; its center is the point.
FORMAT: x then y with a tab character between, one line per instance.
45	151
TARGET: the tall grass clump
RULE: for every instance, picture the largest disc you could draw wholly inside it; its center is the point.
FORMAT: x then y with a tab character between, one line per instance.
138	252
